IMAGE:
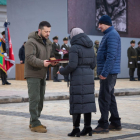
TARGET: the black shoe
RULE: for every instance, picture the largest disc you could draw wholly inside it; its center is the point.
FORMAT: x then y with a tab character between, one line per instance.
132	78
7	83
75	132
55	79
138	78
114	128
47	79
100	130
86	130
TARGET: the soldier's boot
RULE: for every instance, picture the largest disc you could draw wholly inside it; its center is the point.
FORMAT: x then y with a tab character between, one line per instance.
132	78
139	78
55	79
7	83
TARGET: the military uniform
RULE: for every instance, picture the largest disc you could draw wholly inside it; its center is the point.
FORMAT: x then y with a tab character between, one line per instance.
3	74
55	51
138	61
96	46
66	56
132	61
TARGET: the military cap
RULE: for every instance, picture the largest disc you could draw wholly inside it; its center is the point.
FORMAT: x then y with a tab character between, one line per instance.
56	37
3	33
96	41
133	41
65	39
138	42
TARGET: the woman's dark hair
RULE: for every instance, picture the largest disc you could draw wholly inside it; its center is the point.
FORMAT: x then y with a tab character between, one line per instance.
44	23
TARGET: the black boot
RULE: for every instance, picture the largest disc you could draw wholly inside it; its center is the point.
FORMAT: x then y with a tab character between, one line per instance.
7	83
75	132
138	78
132	78
55	79
86	130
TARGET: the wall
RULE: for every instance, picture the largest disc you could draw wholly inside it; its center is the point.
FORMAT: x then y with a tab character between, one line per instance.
25	16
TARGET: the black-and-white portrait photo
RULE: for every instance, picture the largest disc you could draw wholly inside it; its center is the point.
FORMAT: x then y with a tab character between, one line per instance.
116	9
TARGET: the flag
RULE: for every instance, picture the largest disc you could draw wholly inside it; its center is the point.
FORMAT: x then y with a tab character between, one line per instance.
2	59
9	60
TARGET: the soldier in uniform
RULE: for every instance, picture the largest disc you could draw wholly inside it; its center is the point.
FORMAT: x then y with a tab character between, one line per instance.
96	46
138	60
132	60
57	55
3	74
66	47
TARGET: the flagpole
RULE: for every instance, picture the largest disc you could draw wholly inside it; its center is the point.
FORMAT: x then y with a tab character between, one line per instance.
6	37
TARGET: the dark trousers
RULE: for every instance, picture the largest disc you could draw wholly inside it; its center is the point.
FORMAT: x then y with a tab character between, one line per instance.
131	72
76	119
55	70
3	76
107	102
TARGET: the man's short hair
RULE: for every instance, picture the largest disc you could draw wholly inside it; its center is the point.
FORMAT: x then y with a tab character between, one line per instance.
24	42
44	23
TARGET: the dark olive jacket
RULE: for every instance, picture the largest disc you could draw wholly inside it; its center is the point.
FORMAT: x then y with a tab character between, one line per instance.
35	54
55	51
132	57
138	56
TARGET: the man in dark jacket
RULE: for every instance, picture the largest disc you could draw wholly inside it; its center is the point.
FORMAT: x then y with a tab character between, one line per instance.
132	60
22	54
57	55
66	47
38	50
108	66
138	60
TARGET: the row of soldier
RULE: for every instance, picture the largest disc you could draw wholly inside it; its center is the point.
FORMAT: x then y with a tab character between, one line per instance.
134	60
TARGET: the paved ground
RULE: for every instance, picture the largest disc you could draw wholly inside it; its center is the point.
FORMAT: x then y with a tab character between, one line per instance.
14	120
17	92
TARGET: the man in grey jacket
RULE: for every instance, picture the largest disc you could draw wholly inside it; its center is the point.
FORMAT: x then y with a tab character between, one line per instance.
38	51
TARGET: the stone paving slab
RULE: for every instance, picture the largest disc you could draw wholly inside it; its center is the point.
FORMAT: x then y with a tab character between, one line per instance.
17	92
14	120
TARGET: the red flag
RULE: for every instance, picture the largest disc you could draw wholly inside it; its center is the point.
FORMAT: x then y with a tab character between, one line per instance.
10	60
